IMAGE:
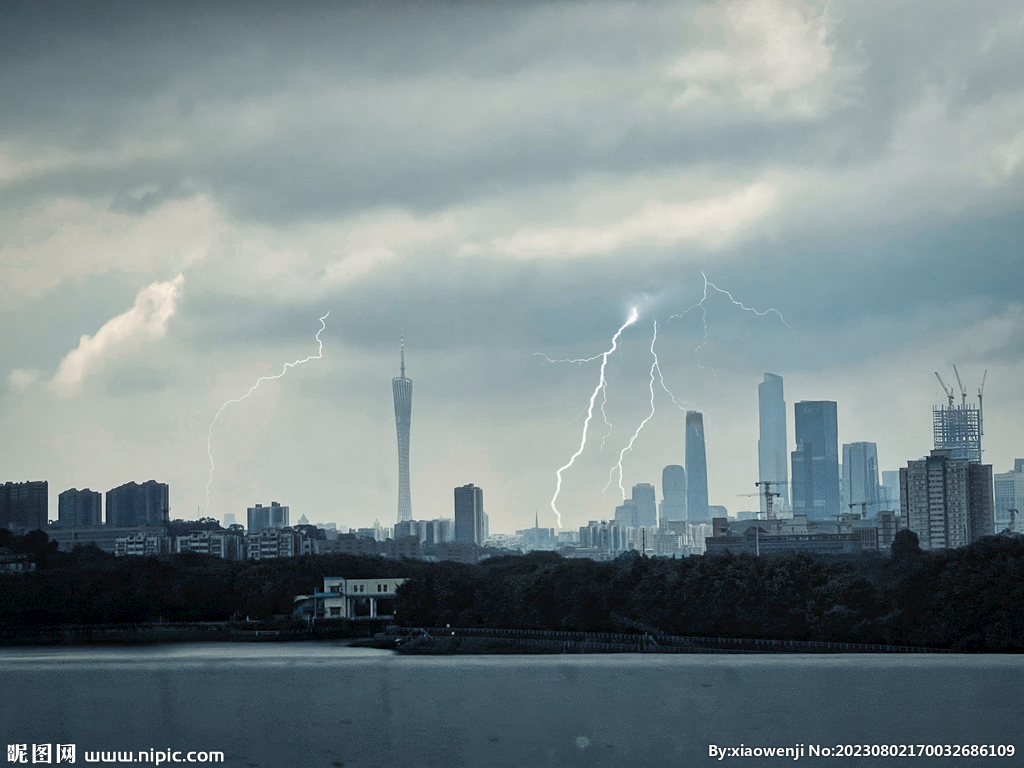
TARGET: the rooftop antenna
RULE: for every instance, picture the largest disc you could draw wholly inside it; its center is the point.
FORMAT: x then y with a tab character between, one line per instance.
403	355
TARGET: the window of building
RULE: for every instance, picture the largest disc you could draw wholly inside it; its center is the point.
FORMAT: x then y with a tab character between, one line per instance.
335	611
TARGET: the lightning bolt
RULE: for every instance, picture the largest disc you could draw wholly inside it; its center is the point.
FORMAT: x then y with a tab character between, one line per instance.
704	317
601	384
209	438
629	447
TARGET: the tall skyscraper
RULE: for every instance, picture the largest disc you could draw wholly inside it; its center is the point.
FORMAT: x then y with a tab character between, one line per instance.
860	477
80	508
772	443
816	460
696	469
132	504
625	513
24	504
673	493
469	514
947	501
646	506
401	387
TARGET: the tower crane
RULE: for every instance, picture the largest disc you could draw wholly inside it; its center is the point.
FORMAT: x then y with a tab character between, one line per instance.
947	389
863	505
963	389
981	411
767	493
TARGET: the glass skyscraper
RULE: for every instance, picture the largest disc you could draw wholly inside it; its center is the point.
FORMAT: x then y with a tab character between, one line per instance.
816	460
673	493
402	389
772	443
696	469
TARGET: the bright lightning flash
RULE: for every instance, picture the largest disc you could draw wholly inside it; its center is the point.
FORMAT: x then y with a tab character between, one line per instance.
704	317
629	447
209	438
590	408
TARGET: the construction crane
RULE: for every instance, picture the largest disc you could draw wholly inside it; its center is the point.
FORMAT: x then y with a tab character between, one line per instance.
981	411
863	505
947	389
767	493
963	389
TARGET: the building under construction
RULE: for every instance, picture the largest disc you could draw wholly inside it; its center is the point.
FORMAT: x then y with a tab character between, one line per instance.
958	428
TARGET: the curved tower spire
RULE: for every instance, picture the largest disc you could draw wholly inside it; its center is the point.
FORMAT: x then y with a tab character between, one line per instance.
402	389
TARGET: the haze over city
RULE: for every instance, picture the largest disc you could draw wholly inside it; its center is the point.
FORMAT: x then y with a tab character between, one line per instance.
184	196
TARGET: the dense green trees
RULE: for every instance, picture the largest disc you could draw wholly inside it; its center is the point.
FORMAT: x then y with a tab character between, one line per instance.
969	599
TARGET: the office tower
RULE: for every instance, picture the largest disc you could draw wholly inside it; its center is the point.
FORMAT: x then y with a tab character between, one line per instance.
132	505
772	442
469	519
860	478
24	504
260	518
696	469
1009	489
947	502
890	492
626	513
815	480
646	506
401	387
80	508
673	493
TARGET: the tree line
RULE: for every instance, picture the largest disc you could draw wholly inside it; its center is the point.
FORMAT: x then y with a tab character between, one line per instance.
969	599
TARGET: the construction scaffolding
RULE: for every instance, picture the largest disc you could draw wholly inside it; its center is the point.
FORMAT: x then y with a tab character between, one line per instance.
959	429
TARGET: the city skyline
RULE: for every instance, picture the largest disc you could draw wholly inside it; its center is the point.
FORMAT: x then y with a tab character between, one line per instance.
184	196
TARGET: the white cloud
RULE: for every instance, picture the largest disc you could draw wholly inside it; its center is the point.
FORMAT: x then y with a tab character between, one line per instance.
69	238
147	319
22	379
777	52
357	265
711	221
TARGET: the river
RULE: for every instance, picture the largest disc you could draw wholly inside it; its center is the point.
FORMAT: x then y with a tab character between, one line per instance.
325	704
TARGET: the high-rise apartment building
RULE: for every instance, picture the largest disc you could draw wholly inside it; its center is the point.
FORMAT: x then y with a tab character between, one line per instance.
646	505
260	518
80	508
673	492
1009	494
132	504
24	505
772	441
696	469
401	388
815	480
860	477
947	502
469	514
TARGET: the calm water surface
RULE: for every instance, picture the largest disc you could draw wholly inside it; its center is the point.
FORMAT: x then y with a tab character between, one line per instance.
324	704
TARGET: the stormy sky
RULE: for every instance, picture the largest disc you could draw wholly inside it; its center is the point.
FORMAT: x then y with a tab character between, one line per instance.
186	190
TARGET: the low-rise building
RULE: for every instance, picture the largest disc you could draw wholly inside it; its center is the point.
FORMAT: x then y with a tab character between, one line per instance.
272	543
140	544
343	598
223	544
104	537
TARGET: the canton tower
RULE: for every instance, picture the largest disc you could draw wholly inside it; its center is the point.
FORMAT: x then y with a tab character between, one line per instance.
402	388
